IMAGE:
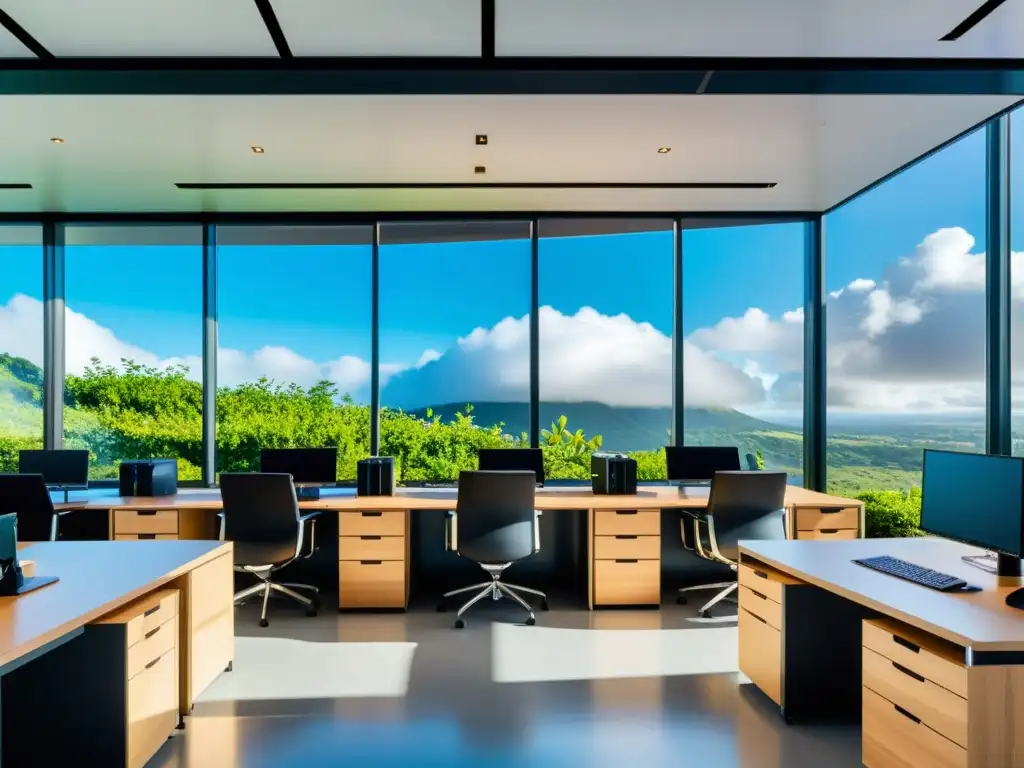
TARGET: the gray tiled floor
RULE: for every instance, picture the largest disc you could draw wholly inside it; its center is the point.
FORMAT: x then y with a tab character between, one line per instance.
352	690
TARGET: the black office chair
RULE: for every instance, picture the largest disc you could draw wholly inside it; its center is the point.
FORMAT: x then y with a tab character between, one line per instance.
742	505
261	516
28	496
495	523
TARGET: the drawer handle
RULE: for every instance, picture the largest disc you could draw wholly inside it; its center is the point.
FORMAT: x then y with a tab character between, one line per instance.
153	662
371	538
626	511
146	536
152	610
906	644
757	617
906	714
830	510
908	672
371	562
628	561
760	574
758	594
829	530
371	514
626	536
152	632
146	512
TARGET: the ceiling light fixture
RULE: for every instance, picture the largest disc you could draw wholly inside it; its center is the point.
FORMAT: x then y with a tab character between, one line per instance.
664	150
258	150
57	140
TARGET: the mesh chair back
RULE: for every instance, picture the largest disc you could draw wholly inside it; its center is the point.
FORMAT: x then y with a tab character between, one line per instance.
496	515
259	507
746	505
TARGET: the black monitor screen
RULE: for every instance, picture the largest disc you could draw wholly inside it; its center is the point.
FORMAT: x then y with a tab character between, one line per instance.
698	463
307	466
974	498
506	459
62	467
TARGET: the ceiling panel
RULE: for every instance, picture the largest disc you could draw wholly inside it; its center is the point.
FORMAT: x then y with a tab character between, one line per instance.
381	27
11	47
126	153
144	27
800	28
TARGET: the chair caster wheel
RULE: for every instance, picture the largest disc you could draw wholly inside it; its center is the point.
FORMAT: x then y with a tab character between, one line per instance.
544	604
264	623
682	601
705	614
441	608
230	667
530	621
460	624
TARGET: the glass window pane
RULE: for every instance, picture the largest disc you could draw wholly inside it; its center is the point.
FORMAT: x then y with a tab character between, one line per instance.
906	321
21	342
293	357
605	343
743	318
454	343
133	345
1017	278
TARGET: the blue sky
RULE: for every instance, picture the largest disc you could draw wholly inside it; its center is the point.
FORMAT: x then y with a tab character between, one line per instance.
314	300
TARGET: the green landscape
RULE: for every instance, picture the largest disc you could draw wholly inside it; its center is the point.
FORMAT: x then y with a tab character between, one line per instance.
132	411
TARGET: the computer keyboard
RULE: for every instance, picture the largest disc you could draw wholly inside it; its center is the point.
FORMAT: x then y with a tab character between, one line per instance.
901	569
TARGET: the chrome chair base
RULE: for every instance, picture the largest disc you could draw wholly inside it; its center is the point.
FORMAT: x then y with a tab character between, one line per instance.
727	589
280	589
496	589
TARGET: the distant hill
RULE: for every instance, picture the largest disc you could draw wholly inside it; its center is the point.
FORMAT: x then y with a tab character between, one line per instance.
21	379
622	429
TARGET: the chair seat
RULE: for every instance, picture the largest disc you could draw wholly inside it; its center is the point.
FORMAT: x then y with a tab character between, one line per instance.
264	553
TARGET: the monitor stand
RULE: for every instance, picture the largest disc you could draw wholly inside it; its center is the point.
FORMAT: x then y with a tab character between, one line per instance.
1009	568
303	493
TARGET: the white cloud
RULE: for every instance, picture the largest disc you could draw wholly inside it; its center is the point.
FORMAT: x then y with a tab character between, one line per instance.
884	311
793	316
860	285
836	294
946	263
754	331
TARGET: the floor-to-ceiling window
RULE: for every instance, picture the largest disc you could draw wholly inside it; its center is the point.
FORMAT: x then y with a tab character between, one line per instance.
294	341
606	303
133	345
21	342
1017	277
906	321
454	343
743	321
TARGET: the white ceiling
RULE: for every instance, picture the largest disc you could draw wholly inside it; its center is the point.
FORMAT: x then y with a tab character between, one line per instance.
125	153
890	28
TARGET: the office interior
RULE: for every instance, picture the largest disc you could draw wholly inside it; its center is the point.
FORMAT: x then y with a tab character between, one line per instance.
298	301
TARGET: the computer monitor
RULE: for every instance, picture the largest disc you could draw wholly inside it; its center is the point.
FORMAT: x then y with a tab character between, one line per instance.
976	499
698	463
59	468
504	459
307	466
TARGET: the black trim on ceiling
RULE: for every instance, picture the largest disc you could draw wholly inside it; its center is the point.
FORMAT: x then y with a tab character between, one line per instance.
487	28
14	185
921	158
24	37
284	185
981	13
274	28
509	75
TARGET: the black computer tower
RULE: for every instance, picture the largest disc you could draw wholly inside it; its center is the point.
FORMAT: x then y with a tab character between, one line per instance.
148	477
375	476
612	473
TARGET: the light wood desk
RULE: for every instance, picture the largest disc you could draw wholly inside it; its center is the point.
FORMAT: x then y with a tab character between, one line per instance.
108	583
936	678
623	533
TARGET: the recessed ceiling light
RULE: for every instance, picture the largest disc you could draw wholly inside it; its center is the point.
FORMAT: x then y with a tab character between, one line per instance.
481	138
480	169
258	150
664	150
57	140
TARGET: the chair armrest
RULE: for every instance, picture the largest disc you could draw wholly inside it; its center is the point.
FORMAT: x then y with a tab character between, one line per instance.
451	531
536	529
54	525
220	524
309	517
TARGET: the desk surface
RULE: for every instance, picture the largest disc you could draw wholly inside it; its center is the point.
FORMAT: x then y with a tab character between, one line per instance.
96	577
649	497
980	620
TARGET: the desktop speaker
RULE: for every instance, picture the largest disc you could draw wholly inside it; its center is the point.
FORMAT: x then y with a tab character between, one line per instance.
612	473
375	476
148	477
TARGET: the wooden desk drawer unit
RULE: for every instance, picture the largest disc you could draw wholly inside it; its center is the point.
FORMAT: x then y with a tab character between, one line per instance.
638	522
207	635
785	627
627	581
371	547
625	557
628	546
895	738
372	584
145	521
372	523
825	523
373	559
